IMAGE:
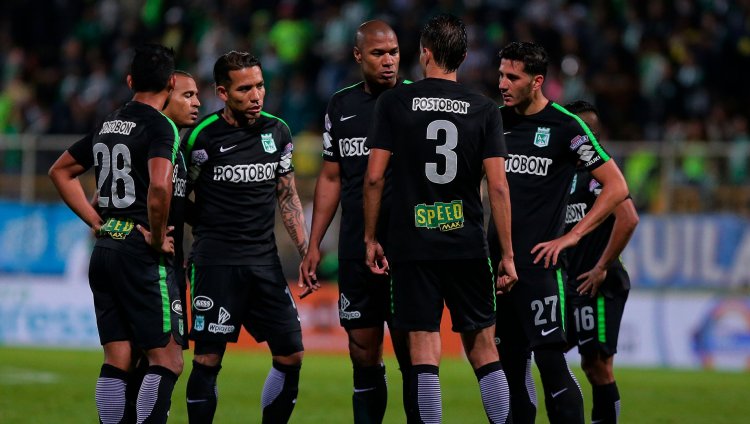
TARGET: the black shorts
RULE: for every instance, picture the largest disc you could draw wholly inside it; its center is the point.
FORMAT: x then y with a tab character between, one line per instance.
595	322
226	297
532	314
136	299
364	297
421	288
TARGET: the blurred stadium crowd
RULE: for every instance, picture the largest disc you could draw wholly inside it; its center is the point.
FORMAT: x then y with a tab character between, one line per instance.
659	70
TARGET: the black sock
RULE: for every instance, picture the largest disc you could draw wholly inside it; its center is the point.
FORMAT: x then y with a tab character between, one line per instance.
202	394
523	399
280	393
155	395
110	394
135	378
370	395
562	394
404	366
494	389
427	405
606	403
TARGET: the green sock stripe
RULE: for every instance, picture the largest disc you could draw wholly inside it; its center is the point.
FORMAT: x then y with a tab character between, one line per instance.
601	322
561	290
193	135
165	306
585	127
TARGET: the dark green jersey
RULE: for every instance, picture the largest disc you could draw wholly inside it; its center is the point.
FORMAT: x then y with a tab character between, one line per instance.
543	152
439	133
234	172
119	151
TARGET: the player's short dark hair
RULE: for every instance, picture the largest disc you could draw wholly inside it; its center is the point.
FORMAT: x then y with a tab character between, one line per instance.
581	106
445	36
151	68
232	61
532	55
183	73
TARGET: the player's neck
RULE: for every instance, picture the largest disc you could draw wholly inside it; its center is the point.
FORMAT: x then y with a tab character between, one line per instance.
235	120
155	100
433	71
375	89
533	106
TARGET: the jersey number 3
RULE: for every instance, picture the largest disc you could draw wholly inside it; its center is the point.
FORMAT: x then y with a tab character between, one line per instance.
110	163
451	159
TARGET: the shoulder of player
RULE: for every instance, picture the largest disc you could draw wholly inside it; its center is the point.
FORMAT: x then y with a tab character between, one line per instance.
568	119
201	129
271	121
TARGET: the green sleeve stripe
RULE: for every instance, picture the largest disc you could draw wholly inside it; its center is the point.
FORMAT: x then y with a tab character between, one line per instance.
351	86
585	127
268	115
176	143
193	135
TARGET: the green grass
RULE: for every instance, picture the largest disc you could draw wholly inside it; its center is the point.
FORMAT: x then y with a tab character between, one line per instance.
57	386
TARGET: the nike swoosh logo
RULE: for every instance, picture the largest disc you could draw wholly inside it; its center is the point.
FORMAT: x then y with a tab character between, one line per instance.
196	400
546	332
584	341
223	149
369	389
344	118
506	133
556	394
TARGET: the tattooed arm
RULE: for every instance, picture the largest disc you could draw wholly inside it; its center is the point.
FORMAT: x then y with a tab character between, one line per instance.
291	212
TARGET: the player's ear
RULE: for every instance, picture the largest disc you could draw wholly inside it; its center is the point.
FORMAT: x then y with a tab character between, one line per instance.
357	54
129	80
171	83
221	92
538	81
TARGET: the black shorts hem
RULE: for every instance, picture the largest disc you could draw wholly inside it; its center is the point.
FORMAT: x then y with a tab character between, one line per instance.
474	327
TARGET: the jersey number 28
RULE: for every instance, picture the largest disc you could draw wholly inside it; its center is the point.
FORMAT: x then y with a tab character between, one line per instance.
451	159
110	163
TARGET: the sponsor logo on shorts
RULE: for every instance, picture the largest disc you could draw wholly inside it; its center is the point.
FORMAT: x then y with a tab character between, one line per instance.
443	216
548	332
497	340
177	307
220	327
203	303
541	138
181	326
200	322
268	144
584	341
343	313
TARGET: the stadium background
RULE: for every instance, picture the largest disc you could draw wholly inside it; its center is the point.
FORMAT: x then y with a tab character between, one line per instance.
669	77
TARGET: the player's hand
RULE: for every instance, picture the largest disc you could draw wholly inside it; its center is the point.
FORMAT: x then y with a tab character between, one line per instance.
592	280
375	258
550	250
506	276
308	279
165	246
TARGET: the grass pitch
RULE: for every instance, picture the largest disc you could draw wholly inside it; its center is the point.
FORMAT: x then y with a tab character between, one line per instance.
57	386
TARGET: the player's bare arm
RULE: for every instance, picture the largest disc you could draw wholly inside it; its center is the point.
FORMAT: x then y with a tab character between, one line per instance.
159	198
64	175
626	219
614	191
325	203
373	194
292	214
499	194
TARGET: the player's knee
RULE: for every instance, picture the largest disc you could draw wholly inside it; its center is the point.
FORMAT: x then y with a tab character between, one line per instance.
209	354
597	369
365	349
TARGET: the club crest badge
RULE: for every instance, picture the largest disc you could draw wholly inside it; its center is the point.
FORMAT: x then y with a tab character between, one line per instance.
268	144
541	138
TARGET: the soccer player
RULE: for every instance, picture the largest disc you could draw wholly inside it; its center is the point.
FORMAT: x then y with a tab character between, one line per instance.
441	138
545	144
240	162
364	297
182	108
131	275
598	284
